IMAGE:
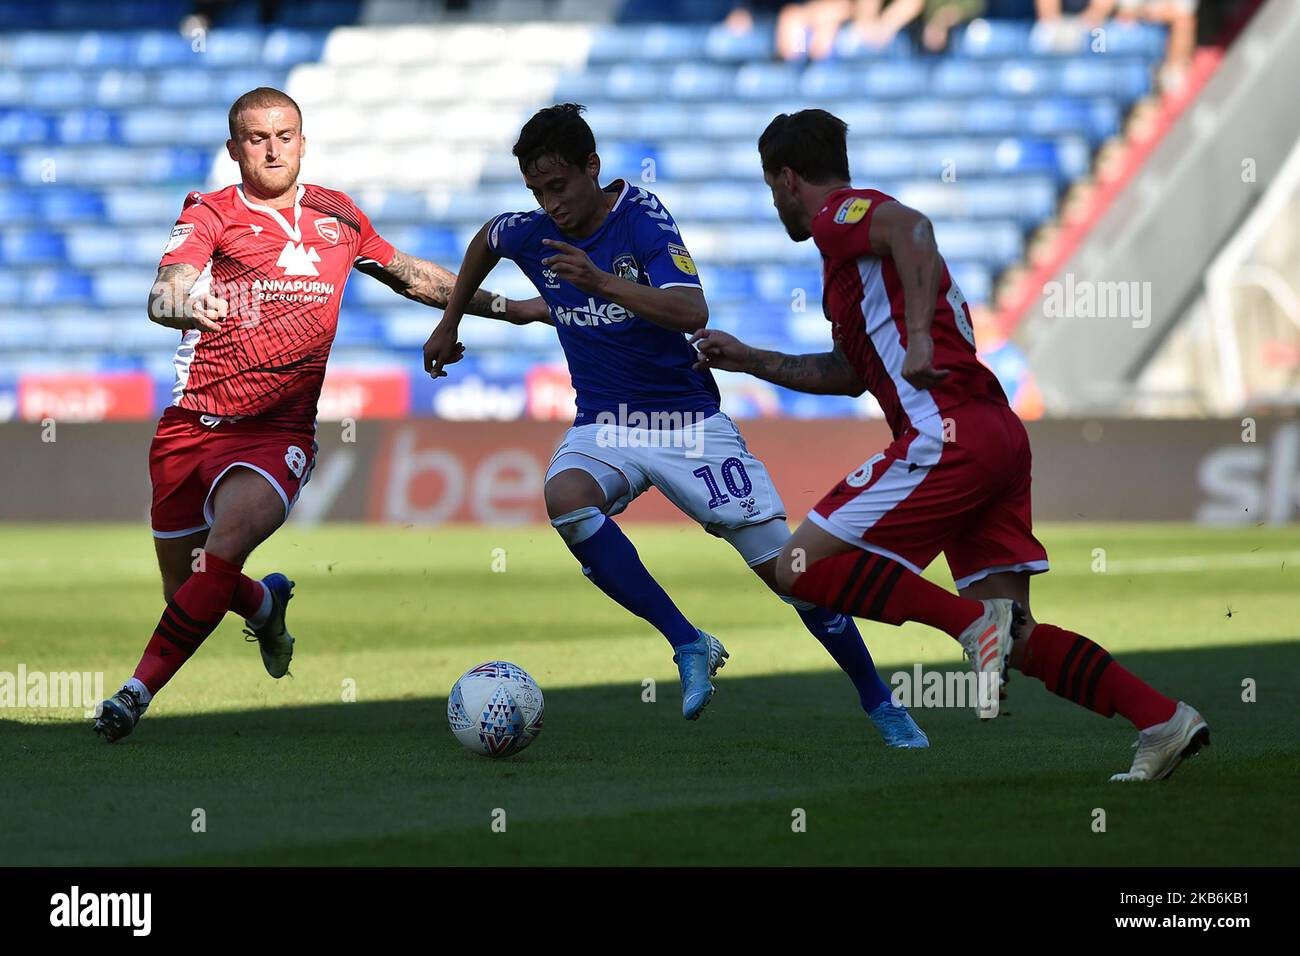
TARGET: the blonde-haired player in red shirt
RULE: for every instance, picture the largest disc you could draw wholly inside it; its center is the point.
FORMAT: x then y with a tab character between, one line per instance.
252	277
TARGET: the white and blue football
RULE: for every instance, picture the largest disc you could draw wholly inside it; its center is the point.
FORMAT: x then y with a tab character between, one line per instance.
495	709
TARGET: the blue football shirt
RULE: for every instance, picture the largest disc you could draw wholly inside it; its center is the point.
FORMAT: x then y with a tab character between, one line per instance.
616	358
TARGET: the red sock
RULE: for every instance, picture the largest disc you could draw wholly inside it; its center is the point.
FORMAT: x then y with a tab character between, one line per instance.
191	615
1077	669
878	588
247	600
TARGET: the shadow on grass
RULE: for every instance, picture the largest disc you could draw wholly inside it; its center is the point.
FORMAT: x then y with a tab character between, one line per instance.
615	780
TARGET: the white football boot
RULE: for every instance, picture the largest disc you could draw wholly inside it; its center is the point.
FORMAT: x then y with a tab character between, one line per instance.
987	642
1162	747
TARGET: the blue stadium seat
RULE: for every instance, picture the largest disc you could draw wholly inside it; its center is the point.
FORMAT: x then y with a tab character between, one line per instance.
723	45
9	166
990	116
186	87
996	244
778	284
157	207
664	42
123	288
614	44
1135	39
695	81
28	247
359	326
226	47
1087	76
95	248
13	90
992	39
81	127
19	127
66	204
97	51
628	159
158	49
123	88
33	51
955	77
849	45
766	81
58	287
888	80
723	285
11	291
929	117
58	89
187	165
1025	78
285	48
16	336
437	243
18	207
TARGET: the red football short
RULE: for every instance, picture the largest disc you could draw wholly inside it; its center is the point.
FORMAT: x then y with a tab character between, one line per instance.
967	497
191	452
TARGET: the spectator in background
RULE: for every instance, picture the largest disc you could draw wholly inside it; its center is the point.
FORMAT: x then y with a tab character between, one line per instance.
933	20
1178	15
808	30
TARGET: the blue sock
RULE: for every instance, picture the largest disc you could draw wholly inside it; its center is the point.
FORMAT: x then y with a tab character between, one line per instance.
839	635
610	560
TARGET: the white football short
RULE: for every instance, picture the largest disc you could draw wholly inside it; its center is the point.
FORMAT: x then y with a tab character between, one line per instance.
705	469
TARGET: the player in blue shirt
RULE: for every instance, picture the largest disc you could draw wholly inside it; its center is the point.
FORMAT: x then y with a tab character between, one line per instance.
623	293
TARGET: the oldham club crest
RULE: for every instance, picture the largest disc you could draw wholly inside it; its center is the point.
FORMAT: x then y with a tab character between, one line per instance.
625	267
328	229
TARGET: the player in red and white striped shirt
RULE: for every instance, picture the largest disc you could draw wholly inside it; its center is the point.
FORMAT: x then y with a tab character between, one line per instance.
955	480
252	276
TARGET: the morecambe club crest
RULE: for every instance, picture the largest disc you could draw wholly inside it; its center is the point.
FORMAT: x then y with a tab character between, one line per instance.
328	229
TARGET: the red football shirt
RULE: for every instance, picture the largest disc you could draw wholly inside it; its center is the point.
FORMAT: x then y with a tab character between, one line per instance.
283	272
863	298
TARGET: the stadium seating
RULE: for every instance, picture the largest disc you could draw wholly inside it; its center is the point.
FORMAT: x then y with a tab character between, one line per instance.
106	122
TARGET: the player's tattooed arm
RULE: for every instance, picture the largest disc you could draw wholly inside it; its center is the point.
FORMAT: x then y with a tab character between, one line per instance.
170	303
430	284
821	373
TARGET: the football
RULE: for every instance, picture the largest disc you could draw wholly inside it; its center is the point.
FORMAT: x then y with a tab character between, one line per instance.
495	709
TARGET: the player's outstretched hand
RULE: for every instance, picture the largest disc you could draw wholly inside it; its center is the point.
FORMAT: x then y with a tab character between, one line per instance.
720	350
918	363
442	349
574	266
207	312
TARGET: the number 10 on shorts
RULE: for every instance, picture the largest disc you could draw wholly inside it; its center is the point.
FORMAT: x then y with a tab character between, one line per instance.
733	475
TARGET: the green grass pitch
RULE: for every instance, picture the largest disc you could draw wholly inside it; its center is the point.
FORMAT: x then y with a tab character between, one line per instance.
289	772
